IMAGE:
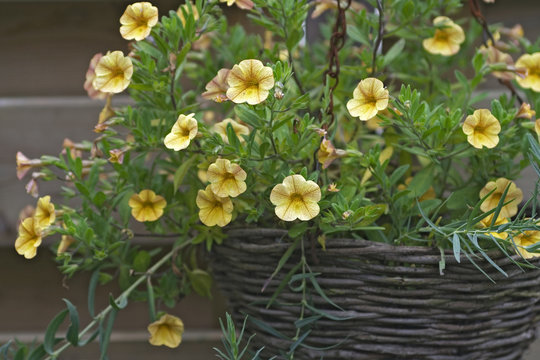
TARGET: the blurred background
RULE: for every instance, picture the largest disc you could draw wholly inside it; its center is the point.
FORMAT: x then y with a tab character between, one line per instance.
45	49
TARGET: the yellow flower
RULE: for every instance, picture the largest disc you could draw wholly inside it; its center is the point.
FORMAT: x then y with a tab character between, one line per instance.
238	129
183	131
328	153
369	98
90	76
113	73
514	195
242	4
216	89
29	238
45	214
65	243
448	36
226	178
250	81
166	331
527	238
107	112
482	129
214	210
486	222
525	111
147	206
296	198
138	21
116	156
185	9
332	188
531	62
24	164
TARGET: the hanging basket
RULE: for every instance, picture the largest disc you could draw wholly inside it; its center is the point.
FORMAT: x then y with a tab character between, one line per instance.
396	303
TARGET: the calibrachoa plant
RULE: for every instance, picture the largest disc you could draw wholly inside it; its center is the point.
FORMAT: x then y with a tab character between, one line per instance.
374	126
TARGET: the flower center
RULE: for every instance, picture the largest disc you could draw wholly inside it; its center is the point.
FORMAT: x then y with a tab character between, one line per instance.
296	198
441	36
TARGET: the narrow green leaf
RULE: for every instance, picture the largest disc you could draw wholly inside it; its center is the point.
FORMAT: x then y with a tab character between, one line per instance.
456	246
72	334
50	333
181	172
284	258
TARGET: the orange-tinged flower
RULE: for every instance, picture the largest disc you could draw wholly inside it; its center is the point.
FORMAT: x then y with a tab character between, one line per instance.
29	238
531	62
328	153
166	331
183	131
24	164
45	214
216	89
214	210
113	73
486	222
138	21
514	196
238	129
296	198
369	97
250	81
242	4
116	156
90	75
185	8
482	129
226	178
527	238
525	111
147	206
447	39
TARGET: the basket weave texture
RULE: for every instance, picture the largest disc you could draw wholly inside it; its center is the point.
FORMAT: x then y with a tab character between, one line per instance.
397	304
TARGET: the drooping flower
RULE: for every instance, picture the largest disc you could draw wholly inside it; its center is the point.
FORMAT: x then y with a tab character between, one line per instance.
32	188
327	153
185	8
486	222
249	81
147	206
90	76
482	129
369	97
447	39
495	56
238	129
214	210
24	164
242	4
29	238
45	214
116	156
138	20
113	73
65	243
216	89
166	331
296	198
525	111
226	178
183	131
531	62
514	196
107	112
527	238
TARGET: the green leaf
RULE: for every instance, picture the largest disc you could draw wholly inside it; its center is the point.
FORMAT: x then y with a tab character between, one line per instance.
181	172
284	258
394	52
105	334
72	334
92	291
50	333
141	262
297	229
456	246
201	281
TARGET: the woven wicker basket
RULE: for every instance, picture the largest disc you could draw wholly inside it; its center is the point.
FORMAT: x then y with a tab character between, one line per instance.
397	304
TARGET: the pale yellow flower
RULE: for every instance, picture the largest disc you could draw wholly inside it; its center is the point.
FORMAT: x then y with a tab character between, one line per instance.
250	81
482	129
185	9
447	39
238	129
332	188
147	206
327	153
113	73
24	164
45	214
514	195
138	21
183	131
369	97
216	89
65	243
90	76
486	222
226	178
527	238
214	210
29	238
107	112
296	198
525	112
242	4
531	62
166	331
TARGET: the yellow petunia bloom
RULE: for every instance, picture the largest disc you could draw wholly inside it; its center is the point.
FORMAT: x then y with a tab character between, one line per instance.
166	331
296	198
183	131
214	210
482	129
185	9
147	206
29	238
531	62
216	89
514	195
486	222
447	39
226	178
242	4
113	73
138	21
327	153
369	98
527	238
238	129
45	214
250	81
